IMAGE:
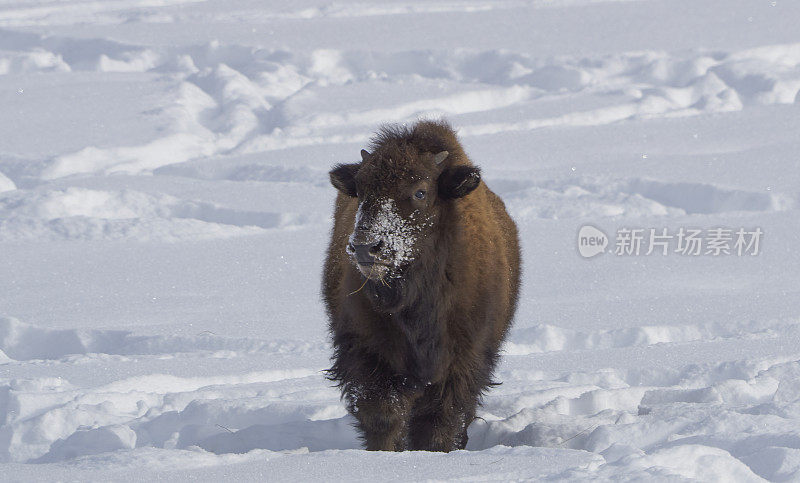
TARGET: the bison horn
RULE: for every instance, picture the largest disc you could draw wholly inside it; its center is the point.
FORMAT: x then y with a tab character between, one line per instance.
438	158
364	154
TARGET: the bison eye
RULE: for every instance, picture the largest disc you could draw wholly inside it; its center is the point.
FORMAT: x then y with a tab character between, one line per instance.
420	194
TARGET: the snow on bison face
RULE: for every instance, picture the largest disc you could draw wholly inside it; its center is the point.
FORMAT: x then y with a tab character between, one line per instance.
400	203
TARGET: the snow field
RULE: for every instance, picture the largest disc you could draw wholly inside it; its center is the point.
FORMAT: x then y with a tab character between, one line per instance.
164	209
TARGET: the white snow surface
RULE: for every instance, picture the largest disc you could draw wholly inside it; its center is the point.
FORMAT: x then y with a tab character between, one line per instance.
164	211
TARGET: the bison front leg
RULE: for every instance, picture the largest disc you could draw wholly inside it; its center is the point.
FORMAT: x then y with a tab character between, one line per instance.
382	417
461	434
440	420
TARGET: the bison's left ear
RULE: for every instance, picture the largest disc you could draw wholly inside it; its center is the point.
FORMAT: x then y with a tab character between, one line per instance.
343	178
459	181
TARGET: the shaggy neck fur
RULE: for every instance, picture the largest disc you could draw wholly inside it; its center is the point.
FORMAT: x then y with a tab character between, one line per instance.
413	302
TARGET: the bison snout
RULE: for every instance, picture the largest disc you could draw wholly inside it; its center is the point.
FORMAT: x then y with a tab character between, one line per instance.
367	253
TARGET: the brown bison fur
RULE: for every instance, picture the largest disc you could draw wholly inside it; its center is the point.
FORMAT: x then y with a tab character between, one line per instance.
420	284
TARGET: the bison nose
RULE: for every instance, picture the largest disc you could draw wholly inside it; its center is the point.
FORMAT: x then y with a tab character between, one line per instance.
367	253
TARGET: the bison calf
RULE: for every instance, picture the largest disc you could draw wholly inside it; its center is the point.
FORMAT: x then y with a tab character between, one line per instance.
420	285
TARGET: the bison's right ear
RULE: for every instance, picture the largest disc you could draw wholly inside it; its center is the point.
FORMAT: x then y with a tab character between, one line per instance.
343	178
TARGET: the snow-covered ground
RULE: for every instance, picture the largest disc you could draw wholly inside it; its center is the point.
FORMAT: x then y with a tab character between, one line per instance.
164	208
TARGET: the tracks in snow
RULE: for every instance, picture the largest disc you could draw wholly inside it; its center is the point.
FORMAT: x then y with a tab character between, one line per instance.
88	214
612	412
91	214
234	99
227	105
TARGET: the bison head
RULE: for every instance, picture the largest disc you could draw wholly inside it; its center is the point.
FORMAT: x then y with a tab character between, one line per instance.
401	196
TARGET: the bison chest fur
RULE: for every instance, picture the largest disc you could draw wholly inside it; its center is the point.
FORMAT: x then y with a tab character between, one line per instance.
420	284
